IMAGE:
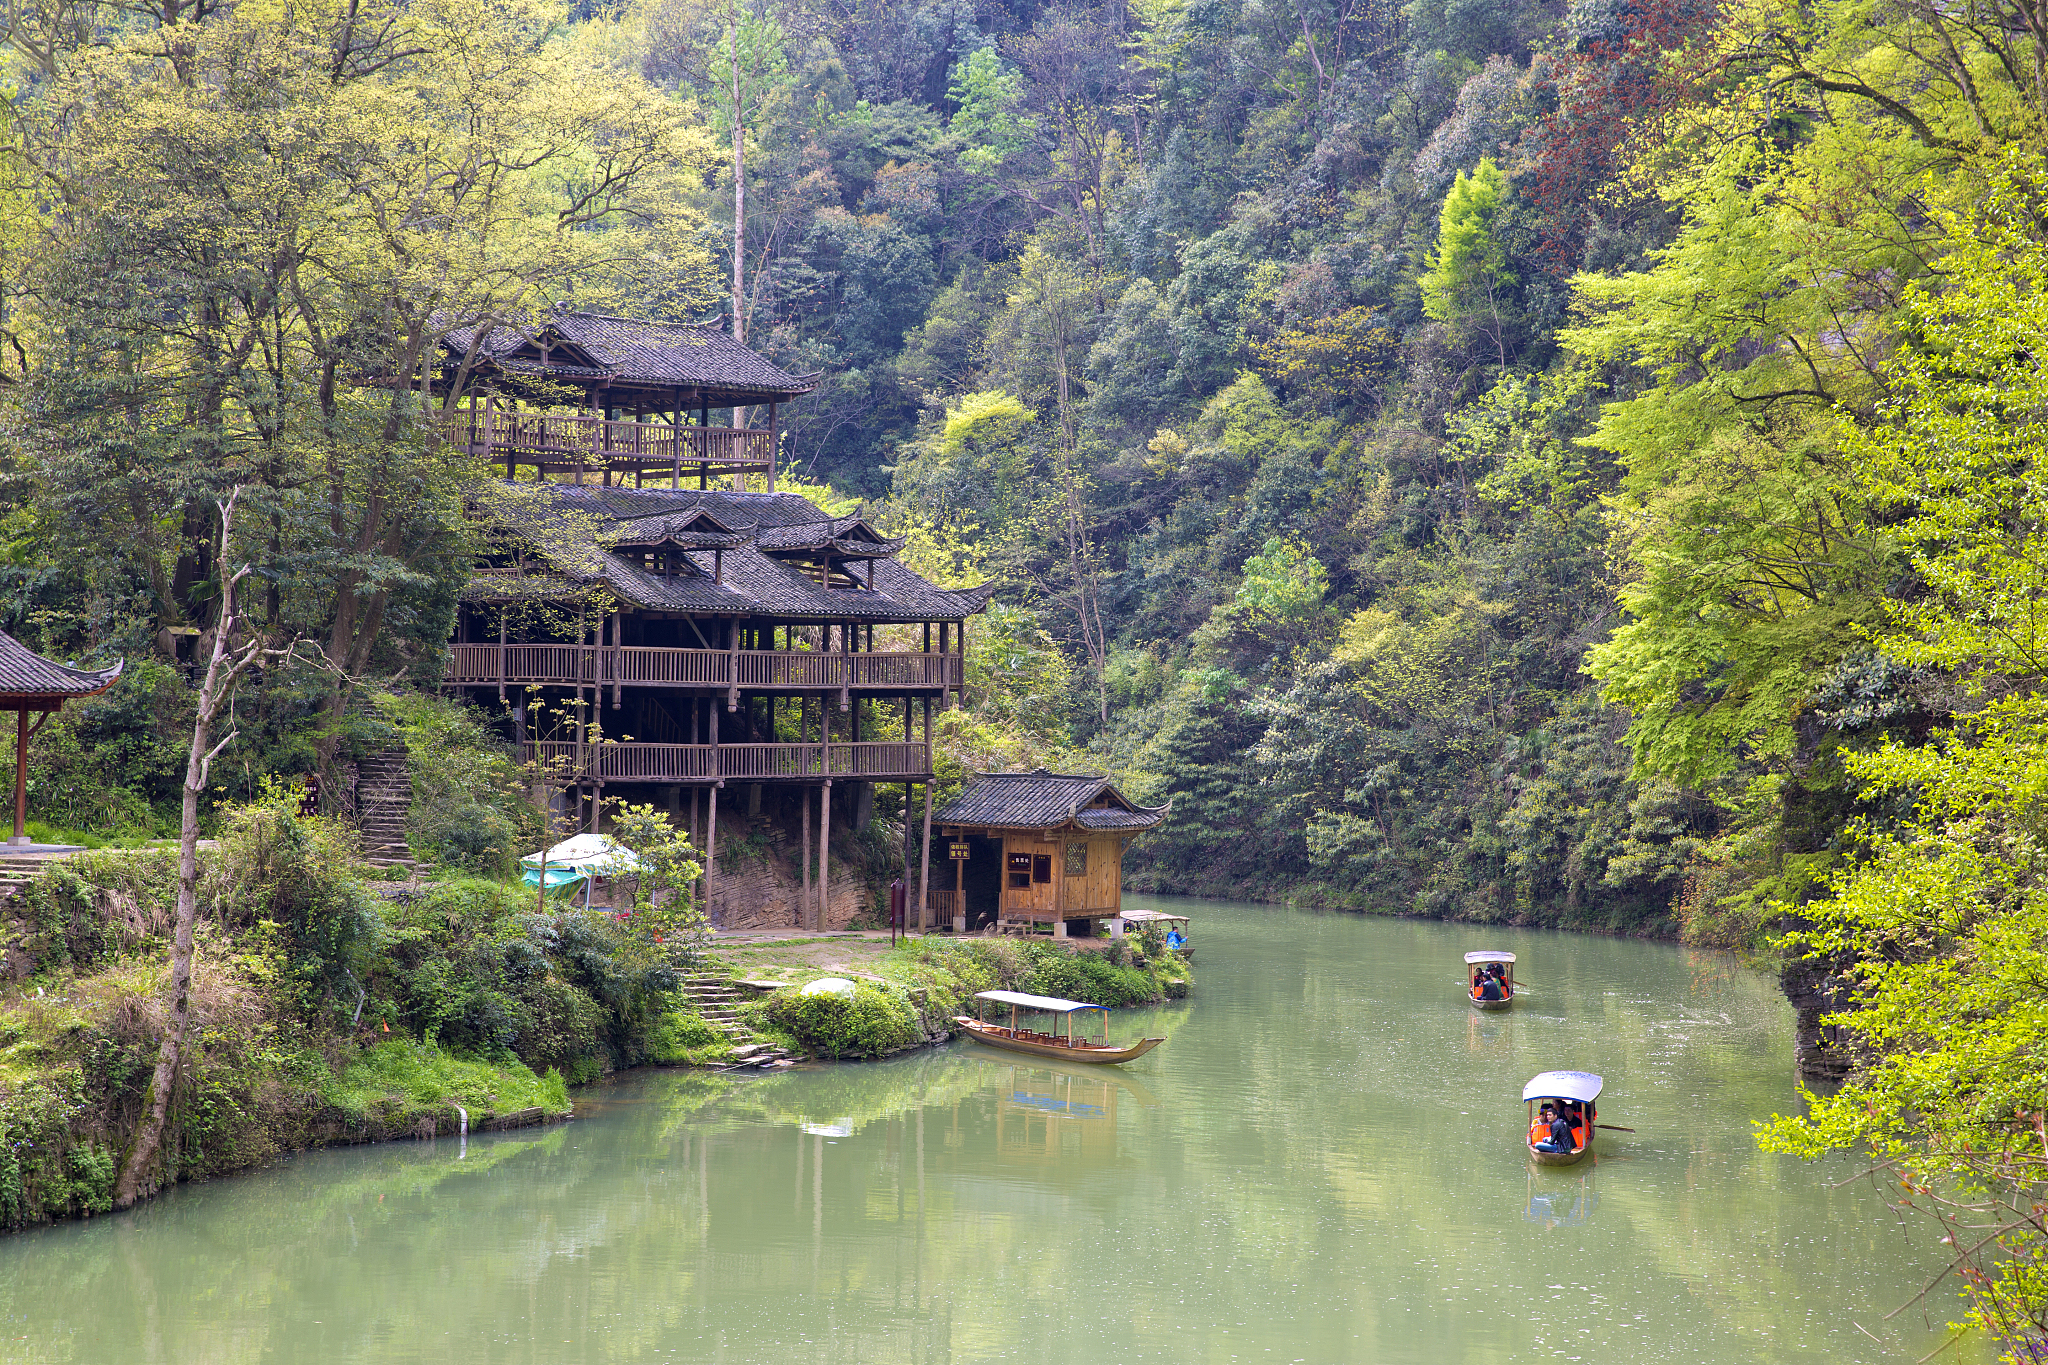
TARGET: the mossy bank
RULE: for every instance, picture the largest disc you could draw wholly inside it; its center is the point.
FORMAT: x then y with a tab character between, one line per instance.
324	1012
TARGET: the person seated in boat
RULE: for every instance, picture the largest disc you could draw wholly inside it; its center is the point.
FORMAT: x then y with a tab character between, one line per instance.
1500	975
1489	989
1558	1133
1174	939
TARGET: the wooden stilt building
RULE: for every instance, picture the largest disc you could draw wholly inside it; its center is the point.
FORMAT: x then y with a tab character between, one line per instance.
663	633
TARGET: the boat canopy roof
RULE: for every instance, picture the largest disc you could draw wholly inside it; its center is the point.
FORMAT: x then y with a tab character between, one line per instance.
1152	917
1051	1004
1489	955
1563	1085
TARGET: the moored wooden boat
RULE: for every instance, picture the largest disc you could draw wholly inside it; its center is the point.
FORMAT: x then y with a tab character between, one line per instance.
1501	967
1572	1092
1013	1037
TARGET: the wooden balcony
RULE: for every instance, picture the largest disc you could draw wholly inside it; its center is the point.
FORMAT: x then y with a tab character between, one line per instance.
566	763
747	669
571	444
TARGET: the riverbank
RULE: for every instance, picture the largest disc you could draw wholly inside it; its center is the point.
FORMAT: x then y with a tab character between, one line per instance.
326	1015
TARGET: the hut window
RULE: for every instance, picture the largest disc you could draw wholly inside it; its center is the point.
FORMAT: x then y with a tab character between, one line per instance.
1020	871
1041	867
1077	859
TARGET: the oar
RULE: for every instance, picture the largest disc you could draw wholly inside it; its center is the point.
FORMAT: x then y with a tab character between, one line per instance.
1614	1128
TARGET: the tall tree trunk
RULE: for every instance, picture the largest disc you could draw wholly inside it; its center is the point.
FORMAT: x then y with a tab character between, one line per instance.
222	668
739	206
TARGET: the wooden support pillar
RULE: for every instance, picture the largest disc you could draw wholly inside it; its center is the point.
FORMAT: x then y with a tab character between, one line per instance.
771	447
503	613
924	876
845	664
960	889
824	854
711	819
20	776
803	811
710	851
618	651
909	829
732	667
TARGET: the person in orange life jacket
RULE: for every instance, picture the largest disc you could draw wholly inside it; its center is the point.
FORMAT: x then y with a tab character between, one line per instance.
1560	1133
1489	989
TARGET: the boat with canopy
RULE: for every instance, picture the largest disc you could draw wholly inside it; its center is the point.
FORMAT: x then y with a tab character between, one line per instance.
1567	1093
1490	965
1070	1046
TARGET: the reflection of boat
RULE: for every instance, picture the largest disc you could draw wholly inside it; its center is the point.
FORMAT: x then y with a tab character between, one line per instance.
1477	970
1573	1092
1565	1206
1053	1115
1054	1070
1066	1048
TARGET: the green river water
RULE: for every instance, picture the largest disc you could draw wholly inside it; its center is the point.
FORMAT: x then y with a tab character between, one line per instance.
1323	1163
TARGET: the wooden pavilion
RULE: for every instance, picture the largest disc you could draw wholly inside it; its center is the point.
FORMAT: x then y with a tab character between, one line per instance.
33	685
592	397
1048	848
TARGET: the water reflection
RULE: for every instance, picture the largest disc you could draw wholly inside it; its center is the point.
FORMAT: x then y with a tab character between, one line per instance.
1561	1205
1319	1165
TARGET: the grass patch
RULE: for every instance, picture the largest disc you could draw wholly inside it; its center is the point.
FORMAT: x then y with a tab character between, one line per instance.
404	1075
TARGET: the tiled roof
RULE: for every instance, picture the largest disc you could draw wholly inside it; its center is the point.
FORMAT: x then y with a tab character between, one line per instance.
754	582
26	673
1045	800
639	352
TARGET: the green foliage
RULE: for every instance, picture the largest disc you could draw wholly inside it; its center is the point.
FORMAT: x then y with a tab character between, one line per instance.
680	1037
1468	277
986	93
292	880
665	926
872	1023
470	810
407	1077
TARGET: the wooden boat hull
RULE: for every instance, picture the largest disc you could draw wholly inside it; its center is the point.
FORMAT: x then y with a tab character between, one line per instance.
1479	1004
1560	1158
994	1037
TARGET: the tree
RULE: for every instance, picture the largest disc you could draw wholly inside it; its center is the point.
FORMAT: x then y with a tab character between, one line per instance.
228	659
1940	923
273	226
1468	281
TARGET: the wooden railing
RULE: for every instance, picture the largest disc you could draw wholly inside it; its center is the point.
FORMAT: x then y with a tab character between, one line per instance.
558	440
566	762
941	904
754	670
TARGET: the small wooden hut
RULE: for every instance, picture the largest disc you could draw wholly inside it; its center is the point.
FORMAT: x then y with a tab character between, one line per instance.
1037	848
31	684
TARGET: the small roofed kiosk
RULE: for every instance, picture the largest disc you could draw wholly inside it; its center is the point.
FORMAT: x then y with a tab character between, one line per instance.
33	685
586	397
1059	843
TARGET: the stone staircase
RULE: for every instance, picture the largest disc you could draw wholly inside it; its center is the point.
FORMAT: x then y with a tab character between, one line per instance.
18	870
383	800
717	1001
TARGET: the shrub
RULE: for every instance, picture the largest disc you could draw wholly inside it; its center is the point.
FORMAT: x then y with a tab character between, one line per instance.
871	1023
1087	976
681	1037
295	879
475	839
